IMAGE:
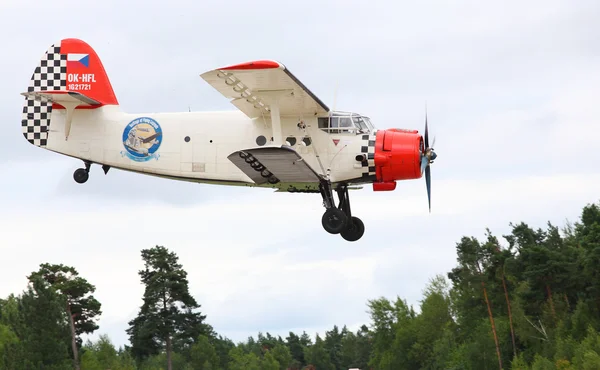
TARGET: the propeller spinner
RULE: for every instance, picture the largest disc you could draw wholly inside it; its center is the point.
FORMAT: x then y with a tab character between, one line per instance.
427	157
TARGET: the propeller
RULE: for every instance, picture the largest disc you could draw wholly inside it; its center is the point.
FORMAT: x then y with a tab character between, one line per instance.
427	158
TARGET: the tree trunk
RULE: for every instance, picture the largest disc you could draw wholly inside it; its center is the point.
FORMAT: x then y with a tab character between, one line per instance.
551	300
487	302
168	339
512	332
73	338
169	365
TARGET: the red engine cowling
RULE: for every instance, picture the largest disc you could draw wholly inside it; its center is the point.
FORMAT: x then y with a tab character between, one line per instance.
397	157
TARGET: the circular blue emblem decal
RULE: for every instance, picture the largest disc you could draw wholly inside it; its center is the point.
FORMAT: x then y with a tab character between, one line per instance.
142	138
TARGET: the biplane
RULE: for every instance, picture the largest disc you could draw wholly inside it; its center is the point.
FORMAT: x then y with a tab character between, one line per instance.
281	135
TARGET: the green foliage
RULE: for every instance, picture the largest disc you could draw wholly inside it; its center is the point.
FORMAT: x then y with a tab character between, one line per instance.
530	302
101	355
38	318
318	355
542	363
203	354
282	355
167	318
77	291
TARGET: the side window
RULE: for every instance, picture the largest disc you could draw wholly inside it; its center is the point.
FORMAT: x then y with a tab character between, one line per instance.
346	123
324	124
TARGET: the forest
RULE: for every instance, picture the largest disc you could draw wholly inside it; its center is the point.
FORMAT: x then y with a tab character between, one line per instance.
526	300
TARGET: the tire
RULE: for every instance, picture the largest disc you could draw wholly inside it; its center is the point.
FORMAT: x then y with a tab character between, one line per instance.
80	175
354	230
334	221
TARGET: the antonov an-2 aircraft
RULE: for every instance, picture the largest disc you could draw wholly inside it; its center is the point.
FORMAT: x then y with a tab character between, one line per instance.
281	135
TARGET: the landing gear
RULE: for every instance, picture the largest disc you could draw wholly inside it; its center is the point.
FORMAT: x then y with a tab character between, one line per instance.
354	230
339	220
334	221
81	175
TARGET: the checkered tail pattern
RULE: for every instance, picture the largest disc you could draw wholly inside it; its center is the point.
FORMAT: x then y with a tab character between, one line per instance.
51	74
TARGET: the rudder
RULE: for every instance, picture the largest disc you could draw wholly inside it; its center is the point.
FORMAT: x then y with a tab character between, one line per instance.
70	65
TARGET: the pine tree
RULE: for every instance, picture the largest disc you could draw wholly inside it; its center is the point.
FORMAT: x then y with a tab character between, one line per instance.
81	307
167	318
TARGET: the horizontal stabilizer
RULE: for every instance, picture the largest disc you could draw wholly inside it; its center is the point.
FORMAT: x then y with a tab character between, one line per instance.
62	96
69	100
281	161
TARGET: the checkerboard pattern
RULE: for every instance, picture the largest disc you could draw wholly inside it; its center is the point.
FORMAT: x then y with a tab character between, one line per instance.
51	74
368	149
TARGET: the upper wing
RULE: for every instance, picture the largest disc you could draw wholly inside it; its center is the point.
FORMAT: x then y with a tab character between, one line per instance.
249	86
284	163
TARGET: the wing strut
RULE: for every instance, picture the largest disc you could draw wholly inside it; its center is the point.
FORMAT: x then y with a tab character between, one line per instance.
272	98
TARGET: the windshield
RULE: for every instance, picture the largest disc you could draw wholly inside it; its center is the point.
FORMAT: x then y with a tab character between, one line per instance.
360	123
369	124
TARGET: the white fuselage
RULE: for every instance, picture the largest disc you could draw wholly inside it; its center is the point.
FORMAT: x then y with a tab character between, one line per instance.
194	145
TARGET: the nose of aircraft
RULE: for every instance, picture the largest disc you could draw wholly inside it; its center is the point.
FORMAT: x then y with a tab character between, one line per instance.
397	155
402	155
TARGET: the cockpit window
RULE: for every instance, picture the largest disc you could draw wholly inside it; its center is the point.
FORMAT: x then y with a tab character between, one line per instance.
369	124
345	123
360	123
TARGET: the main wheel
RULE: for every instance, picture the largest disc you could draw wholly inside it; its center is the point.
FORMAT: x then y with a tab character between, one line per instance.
334	221
354	230
81	175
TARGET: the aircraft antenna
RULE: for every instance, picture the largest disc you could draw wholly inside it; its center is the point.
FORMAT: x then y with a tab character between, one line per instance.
337	83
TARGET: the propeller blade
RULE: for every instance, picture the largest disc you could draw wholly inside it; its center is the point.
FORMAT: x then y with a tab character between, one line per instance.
426	133
428	182
424	163
426	159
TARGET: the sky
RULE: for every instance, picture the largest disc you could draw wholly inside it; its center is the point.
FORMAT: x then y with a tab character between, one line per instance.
510	90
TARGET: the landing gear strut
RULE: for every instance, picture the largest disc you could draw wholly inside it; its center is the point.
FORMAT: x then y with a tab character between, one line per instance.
81	175
339	220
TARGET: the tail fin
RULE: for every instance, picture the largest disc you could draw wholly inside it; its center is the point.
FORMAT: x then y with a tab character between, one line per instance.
69	66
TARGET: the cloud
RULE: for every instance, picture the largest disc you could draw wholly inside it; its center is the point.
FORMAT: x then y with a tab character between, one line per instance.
510	91
263	263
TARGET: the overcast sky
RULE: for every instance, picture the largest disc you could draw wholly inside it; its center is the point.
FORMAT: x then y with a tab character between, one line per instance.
511	89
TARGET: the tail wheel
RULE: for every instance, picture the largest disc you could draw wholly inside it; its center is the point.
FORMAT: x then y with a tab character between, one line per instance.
81	175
